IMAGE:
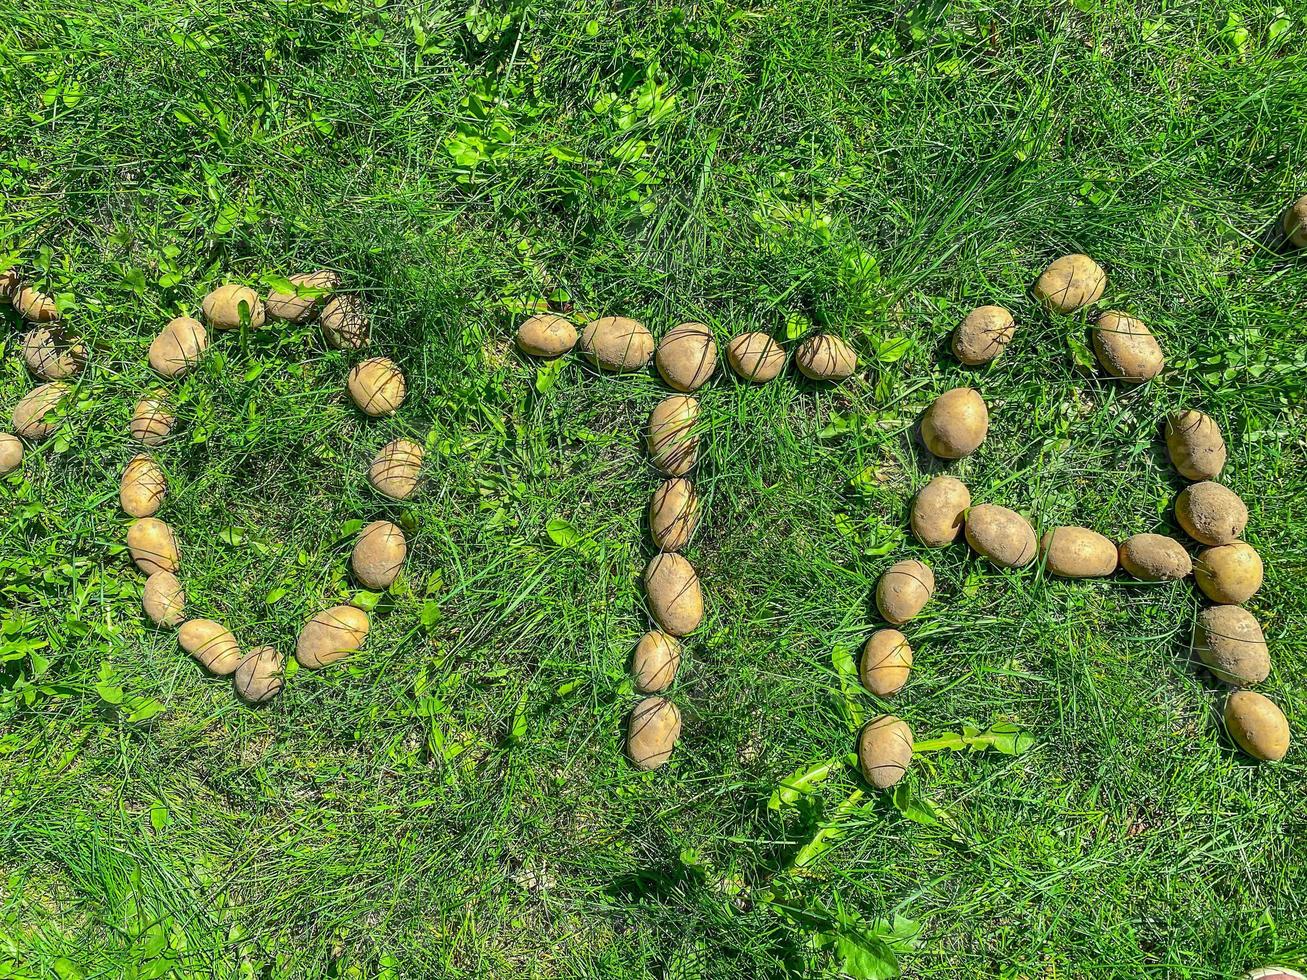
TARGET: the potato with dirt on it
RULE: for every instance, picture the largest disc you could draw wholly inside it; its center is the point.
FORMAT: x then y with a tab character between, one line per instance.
545	335
617	343
755	357
11	453
904	589
1195	445
230	305
652	732
1210	513
212	644
177	349
153	546
673	514
1154	558
345	322
672	439
1229	573
826	357
1070	283
886	662
955	424
1126	348
152	422
1077	552
163	599
36	415
675	598
1001	535
396	469
378	555
258	677
687	356
885	750
35	306
51	354
1257	725
982	335
655	663
377	386
1230	643
311	290
938	511
1295	222
331	635
143	487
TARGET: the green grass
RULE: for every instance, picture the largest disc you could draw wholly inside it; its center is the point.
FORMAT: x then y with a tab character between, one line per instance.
454	802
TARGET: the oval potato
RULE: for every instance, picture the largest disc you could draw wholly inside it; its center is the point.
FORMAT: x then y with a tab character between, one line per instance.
331	635
1229	573
826	357
982	335
378	555
377	386
1126	348
11	453
151	422
1257	725
1154	558
886	662
299	307
35	415
885	750
1077	552
652	732
52	355
673	514
345	322
178	347
755	357
1229	641
212	644
675	598
1195	445
1001	535
904	589
655	663
955	424
1211	513
1071	282
258	677
396	469
163	599
545	335
687	356
143	487
673	441
939	510
153	546
35	306
617	343
1295	222
225	307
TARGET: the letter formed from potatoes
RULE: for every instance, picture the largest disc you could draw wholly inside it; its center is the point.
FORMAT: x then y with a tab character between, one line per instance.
687	356
52	355
673	514
903	590
983	335
1077	552
545	335
177	349
163	599
311	289
11	453
885	750
826	357
396	469
258	677
656	660
143	487
1001	535
652	732
886	662
212	644
1195	445
379	555
36	415
153	546
955	424
377	386
939	511
616	343
1257	725
1210	513
675	599
1230	643
331	635
1229	573
1126	348
1070	283
673	440
755	357
1154	558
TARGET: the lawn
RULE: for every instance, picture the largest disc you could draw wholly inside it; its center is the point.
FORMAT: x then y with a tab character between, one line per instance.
455	801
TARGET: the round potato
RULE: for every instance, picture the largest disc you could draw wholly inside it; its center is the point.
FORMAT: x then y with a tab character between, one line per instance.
52	355
673	514
825	357
35	306
1211	513
755	357
1077	552
616	343
396	469
1126	348
143	487
675	599
652	732
1195	445
938	511
545	335
885	750
673	441
212	644
331	635
1154	558
656	661
36	415
228	306
258	677
1070	283
983	335
378	555
955	424
1001	535
377	386
903	590
886	662
687	356
345	322
1295	222
11	453
153	546
178	347
1229	573
163	599
1257	725
151	421
1229	641
311	288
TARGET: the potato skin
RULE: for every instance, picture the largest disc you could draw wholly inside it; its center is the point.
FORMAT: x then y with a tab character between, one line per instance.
396	469
545	335
34	416
294	308
982	335
1070	283
1295	222
151	421
1001	535
1229	642
687	356
1229	573
938	511
617	343
377	386
826	357
258	677
675	598
178	347
673	514
1210	513
1195	445
11	453
652	732
1126	348
1154	558
1077	552
143	487
885	750
163	599
656	661
153	546
222	307
52	355
212	644
1257	725
379	554
955	424
672	439
903	590
345	322
331	635
886	662
755	357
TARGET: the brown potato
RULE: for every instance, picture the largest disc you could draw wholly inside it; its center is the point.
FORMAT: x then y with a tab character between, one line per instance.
228	305
377	386
955	424
675	599
673	439
1229	573
35	306
379	554
396	469
1154	558
886	662
36	416
656	661
1071	282
212	644
1295	222
673	514
1257	725
938	511
885	750
616	343
1195	445
151	423
258	677
143	487
1211	513
10	283
345	322
904	589
153	546
687	356
755	357
331	635
1229	641
652	732
163	599
52	355
1077	552
178	347
1001	535
298	307
545	335
1126	348
11	453
825	357
983	335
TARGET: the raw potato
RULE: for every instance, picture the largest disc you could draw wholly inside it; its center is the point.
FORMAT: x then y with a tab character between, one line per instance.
153	546
258	677
886	662
755	357
377	386
656	661
396	468
1001	535
673	442
1195	445
546	335
1229	573
938	511
955	424
143	487
34	415
222	307
1071	282
885	750
294	308
345	322
673	514
1077	552
1229	641
378	555
1295	222
179	347
151	421
52	355
1126	348
1257	725
983	335
904	589
34	306
687	356
163	599
11	453
616	343
9	285
1154	558
331	635
212	644
826	357
1211	513
652	732
675	599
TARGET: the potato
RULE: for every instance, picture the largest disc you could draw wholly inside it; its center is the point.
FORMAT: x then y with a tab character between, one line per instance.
652	732
378	555
1001	535
1195	445
153	546
163	599
396	469
377	386
825	357
1229	573
1071	282
1229	641
1126	348
983	335
151	421
1211	513
545	335
258	676
10	283
1154	558
673	441
673	514
675	600
886	662
955	424
755	357
938	511
687	356
345	322
904	589
212	644
885	750
11	453
52	355
331	635
616	343
34	306
1077	552
143	487
228	305
35	415
1295	222
656	661
298	307
178	347
1257	725
1272	973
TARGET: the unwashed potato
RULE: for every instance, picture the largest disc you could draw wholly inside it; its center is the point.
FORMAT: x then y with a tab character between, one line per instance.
1295	222
938	511
673	514
1001	535
904	589
673	441
11	453
331	635
545	335
1154	558
617	343
35	306
1071	282
1126	347
143	487
153	546
258	677
687	356
10	283
1077	552
1273	973
652	732
955	424
345	322
35	416
1195	445
1229	573
163	599
983	335
151	421
826	357
378	555
377	386
1211	513
52	355
755	357
1229	641
396	468
212	644
886	662
311	288
656	661
226	306
1257	725
675	599
178	347
885	750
